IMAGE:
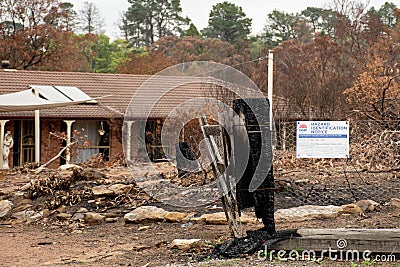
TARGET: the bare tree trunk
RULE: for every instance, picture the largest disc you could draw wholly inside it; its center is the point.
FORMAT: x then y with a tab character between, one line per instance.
41	168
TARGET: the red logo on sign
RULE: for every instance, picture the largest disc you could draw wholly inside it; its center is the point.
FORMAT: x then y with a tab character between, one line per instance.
303	126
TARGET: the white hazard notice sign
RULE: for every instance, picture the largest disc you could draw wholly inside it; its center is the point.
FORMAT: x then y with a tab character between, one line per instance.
322	139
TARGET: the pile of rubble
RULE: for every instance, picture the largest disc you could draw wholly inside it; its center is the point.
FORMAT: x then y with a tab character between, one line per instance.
72	194
76	196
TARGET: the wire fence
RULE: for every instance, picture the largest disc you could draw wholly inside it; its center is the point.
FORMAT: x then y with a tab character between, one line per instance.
369	173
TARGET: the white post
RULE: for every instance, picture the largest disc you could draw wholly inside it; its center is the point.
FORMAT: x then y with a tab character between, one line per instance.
37	131
284	136
69	132
128	141
270	83
2	125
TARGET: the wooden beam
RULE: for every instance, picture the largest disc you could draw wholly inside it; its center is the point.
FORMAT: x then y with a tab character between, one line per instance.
374	240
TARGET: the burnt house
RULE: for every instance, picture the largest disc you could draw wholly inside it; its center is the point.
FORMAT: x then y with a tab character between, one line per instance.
99	121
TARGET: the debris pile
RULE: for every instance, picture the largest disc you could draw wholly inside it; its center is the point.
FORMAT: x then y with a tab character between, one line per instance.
54	190
74	194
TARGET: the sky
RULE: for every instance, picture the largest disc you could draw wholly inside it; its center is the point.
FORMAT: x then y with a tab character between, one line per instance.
198	10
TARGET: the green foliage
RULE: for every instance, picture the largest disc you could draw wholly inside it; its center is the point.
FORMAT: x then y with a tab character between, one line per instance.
282	26
103	50
192	31
387	15
208	258
321	19
257	48
146	21
227	22
120	50
103	56
367	263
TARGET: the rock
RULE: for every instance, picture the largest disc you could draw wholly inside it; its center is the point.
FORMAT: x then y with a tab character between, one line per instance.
145	214
185	244
101	190
350	209
69	167
306	213
27	215
111	217
143	228
5	208
82	210
78	217
185	225
214	218
175	217
62	209
219	218
367	205
246	219
63	216
93	218
119	188
66	174
111	220
37	216
23	207
23	215
395	202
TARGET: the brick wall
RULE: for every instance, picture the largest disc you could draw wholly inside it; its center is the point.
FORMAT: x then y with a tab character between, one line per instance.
116	147
50	145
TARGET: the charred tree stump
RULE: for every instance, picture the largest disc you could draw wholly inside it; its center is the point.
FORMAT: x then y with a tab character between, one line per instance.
252	169
255	188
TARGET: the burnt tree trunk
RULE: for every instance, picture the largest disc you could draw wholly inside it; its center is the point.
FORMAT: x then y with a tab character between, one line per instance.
255	187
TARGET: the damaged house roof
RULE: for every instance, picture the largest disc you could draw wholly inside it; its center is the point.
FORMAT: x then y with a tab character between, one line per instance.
117	91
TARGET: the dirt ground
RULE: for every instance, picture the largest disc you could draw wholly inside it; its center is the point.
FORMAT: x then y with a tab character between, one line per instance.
120	244
50	242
